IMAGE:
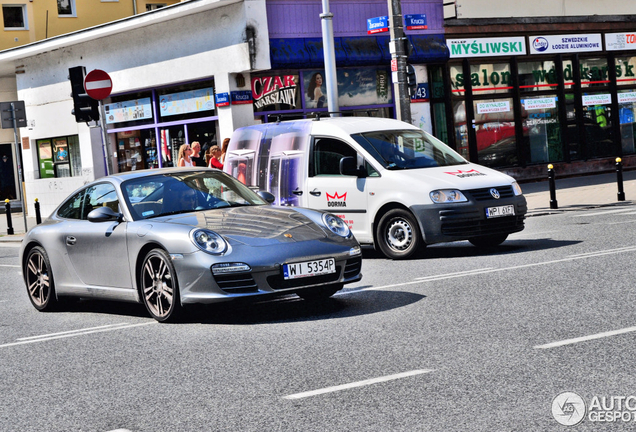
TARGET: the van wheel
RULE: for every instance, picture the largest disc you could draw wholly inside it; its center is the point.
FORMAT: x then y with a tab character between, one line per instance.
398	234
489	241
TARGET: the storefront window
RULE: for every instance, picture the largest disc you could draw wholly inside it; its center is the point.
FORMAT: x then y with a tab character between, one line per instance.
626	108
59	157
625	71
137	150
495	131
597	122
537	76
541	129
461	131
171	139
594	72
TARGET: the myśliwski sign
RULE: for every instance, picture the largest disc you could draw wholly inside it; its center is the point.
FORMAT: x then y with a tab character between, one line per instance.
486	47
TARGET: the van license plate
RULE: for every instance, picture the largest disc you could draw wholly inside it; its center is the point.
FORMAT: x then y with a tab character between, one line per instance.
492	212
309	268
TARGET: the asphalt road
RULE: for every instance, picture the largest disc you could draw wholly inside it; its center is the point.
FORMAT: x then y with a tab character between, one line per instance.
457	339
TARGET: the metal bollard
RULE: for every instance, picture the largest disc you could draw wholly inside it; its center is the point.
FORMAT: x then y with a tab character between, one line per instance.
7	207
38	216
619	179
553	200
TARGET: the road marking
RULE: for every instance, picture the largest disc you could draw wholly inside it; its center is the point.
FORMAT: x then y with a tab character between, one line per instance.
357	384
456	274
603	212
586	338
72	333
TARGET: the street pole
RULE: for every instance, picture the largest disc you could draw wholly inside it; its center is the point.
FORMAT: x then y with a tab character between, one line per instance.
102	126
18	155
398	54
331	78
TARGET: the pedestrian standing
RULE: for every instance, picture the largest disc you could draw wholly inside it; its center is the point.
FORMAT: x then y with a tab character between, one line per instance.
196	157
215	154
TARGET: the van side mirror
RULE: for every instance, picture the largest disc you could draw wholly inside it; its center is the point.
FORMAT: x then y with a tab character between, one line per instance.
348	166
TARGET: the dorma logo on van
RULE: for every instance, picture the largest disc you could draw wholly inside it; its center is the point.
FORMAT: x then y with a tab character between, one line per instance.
336	200
464	174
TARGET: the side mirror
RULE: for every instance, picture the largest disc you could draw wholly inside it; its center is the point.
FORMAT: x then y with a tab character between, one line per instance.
348	167
267	196
104	214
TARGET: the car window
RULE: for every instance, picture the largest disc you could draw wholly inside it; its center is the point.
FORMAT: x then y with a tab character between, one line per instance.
72	208
100	195
326	156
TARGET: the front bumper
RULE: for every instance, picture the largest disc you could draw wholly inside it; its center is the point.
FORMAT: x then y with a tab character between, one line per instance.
461	221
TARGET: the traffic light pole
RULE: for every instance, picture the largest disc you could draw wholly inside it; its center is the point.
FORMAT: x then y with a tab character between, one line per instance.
398	54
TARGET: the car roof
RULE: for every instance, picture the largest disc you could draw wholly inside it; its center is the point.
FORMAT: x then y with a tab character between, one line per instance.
130	175
354	125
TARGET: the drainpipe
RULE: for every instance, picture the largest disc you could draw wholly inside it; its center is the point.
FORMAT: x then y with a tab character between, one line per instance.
331	79
134	2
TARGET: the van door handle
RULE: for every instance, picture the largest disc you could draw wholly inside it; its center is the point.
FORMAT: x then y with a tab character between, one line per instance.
297	192
315	192
70	240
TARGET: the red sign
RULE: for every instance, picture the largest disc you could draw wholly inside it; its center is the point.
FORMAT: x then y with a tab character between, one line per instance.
98	84
394	66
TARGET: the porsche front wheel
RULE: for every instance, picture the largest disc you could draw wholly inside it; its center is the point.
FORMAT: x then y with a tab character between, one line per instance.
159	287
39	279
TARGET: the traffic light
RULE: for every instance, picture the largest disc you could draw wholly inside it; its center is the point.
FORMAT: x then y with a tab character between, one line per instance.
85	108
411	79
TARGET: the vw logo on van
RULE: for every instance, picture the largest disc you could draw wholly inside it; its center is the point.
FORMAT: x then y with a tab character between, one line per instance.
495	193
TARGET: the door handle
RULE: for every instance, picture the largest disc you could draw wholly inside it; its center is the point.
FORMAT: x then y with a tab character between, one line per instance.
297	192
315	192
70	240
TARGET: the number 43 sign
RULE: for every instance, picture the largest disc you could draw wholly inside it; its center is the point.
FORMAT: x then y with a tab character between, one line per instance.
421	93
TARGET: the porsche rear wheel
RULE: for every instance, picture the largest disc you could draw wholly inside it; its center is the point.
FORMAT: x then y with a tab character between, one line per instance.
159	287
319	293
39	279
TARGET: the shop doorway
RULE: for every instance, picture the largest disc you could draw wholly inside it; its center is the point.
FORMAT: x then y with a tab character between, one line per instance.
7	173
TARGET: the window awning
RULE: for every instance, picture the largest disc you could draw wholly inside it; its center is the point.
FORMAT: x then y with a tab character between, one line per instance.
303	53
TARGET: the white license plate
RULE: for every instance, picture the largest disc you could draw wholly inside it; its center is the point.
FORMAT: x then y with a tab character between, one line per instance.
309	268
492	212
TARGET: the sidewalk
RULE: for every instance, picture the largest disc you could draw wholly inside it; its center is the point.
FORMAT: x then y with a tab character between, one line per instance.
576	193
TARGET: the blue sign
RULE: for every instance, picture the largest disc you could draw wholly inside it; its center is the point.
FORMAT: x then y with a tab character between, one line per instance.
415	22
377	25
222	99
241	97
421	93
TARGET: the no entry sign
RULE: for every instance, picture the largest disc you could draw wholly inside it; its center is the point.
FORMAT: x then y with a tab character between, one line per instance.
98	84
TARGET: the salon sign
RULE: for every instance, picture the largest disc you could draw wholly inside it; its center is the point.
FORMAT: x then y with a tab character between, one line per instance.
486	47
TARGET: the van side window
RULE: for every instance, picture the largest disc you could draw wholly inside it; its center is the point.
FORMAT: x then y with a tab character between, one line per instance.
326	156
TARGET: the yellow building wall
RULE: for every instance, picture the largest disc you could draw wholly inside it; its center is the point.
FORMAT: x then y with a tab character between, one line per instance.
43	21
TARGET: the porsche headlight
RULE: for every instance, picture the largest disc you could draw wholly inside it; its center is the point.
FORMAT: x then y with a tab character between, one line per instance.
209	241
336	225
516	188
447	196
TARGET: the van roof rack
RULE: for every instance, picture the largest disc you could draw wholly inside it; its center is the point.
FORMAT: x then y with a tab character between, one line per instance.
317	115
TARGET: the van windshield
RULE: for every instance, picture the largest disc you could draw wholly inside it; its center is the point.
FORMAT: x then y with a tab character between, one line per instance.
407	149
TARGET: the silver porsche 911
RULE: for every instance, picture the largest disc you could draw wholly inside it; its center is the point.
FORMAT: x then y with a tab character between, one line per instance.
178	236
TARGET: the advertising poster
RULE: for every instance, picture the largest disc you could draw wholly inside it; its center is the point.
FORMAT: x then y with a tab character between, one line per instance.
187	102
138	109
60	147
356	87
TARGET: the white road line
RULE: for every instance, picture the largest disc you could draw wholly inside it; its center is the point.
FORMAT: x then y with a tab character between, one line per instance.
82	333
357	384
9	265
456	274
586	338
603	212
72	331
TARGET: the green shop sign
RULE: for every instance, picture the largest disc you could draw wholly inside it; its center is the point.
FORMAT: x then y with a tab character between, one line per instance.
486	47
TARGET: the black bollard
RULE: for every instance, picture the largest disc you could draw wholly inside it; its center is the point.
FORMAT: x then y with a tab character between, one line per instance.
38	216
553	200
7	207
619	179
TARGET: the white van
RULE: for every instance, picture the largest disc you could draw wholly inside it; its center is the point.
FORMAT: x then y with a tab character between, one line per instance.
396	186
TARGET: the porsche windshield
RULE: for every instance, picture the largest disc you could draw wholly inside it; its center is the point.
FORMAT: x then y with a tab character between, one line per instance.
161	195
406	149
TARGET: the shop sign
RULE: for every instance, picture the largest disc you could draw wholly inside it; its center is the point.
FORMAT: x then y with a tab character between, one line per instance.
275	92
421	93
486	47
132	110
415	22
493	107
565	43
597	99
377	25
222	99
540	103
628	97
620	41
187	102
241	97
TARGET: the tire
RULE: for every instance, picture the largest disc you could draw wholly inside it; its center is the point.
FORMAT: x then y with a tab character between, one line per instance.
398	234
39	280
319	293
159	288
489	241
